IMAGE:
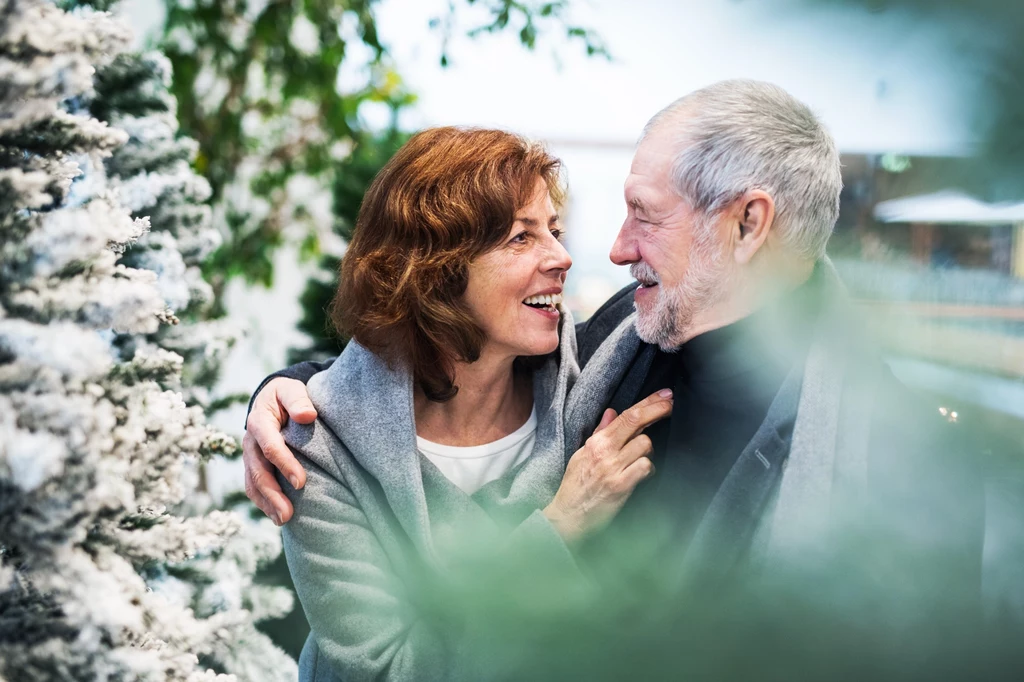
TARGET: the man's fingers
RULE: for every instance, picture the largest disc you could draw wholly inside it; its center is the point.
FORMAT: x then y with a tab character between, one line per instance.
265	430
260	484
294	400
607	418
273	451
637	418
266	484
280	400
261	502
255	496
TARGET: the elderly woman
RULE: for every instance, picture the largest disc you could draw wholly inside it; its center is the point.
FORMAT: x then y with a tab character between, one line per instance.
440	427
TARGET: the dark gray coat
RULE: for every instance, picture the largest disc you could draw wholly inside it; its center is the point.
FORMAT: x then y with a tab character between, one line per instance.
868	456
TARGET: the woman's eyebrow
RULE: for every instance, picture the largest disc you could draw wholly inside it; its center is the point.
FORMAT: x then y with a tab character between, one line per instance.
530	222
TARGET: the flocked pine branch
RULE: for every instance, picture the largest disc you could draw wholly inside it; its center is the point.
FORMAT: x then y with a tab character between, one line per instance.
105	572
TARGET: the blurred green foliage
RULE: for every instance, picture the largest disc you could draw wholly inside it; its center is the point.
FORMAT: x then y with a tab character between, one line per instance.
257	83
237	74
352	180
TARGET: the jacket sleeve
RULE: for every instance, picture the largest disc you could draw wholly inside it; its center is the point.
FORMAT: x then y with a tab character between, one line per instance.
359	616
370	621
302	371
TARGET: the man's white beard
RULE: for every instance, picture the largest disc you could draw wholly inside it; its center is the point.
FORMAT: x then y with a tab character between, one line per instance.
705	283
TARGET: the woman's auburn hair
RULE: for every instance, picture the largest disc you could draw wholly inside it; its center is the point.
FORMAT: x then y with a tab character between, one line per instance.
446	197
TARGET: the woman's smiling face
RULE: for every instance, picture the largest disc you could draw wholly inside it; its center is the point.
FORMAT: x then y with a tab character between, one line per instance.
514	290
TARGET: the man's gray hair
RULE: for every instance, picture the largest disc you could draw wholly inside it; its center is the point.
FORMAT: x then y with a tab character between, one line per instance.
739	135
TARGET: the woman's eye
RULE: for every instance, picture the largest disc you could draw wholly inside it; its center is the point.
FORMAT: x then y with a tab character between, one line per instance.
557	234
519	238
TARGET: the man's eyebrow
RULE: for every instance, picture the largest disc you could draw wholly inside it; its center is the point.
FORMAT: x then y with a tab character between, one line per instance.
637	204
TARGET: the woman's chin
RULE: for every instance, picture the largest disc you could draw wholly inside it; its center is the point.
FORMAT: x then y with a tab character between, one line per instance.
542	346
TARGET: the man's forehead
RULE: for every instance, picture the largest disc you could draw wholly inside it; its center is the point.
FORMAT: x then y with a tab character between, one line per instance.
654	155
635	188
648	181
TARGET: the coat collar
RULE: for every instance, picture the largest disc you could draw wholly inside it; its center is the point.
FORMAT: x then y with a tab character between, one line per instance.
598	383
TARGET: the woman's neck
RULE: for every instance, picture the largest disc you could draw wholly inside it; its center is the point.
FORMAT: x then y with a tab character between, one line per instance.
491	403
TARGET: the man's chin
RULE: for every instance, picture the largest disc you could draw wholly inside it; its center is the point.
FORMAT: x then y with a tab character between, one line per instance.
649	330
653	330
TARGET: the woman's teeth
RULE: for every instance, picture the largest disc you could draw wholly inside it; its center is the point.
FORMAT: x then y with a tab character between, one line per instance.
546	301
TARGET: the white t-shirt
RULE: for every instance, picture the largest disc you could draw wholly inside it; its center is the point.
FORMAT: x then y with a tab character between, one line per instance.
472	467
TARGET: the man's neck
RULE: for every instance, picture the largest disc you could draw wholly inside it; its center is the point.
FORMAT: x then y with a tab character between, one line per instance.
750	295
491	403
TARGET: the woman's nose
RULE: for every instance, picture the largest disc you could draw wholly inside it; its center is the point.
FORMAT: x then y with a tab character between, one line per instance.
558	257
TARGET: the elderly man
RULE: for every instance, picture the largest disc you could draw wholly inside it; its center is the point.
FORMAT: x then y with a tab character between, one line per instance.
786	426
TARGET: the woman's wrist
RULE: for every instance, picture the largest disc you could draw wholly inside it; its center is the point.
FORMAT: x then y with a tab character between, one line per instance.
564	524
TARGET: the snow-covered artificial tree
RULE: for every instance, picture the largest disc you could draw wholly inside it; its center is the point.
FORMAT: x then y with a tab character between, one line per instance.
153	177
105	574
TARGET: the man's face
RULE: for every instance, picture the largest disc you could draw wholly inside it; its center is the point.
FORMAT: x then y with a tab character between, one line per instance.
674	252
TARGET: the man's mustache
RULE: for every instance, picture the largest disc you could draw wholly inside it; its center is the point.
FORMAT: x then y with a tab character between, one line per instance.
644	273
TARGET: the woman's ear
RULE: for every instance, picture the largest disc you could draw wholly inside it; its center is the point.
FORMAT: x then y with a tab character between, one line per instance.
755	214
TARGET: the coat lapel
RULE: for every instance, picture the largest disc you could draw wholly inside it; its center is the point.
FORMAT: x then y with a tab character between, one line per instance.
628	391
729	524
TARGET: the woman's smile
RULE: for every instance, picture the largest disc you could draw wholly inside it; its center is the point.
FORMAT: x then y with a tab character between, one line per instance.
548	304
528	271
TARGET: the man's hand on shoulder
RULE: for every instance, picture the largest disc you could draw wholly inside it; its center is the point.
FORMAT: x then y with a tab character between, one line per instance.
264	449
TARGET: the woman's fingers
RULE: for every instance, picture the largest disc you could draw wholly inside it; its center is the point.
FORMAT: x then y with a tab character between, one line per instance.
640	469
601	475
640	446
607	418
637	418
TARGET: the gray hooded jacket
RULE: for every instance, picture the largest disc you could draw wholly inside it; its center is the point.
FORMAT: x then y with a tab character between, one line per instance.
377	528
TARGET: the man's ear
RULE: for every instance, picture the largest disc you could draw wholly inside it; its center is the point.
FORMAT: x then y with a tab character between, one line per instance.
755	214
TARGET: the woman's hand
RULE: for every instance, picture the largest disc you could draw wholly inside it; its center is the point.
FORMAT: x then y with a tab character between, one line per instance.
602	474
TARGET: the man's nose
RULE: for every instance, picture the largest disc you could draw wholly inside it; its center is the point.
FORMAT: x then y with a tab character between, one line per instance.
624	251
